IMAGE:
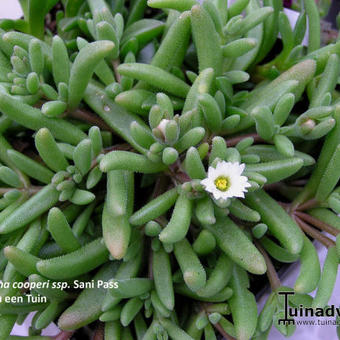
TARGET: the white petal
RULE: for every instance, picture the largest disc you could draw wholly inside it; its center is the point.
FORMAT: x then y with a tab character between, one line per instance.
210	189
238	168
217	194
231	170
220	172
220	165
205	181
211	172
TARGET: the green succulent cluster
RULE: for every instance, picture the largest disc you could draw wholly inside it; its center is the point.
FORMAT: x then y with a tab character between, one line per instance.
129	104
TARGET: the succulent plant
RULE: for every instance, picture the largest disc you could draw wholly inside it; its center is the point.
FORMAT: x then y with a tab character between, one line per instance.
177	157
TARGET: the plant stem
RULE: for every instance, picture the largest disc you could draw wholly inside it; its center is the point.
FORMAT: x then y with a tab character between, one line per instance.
327	242
235	140
273	186
312	203
88	117
219	328
31	190
115	64
159	187
64	335
299	182
317	223
123	146
99	332
273	278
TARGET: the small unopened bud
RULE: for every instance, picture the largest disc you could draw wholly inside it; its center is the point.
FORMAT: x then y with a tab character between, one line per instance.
307	126
159	131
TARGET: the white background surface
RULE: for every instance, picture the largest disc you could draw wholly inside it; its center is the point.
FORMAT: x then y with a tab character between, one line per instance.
11	9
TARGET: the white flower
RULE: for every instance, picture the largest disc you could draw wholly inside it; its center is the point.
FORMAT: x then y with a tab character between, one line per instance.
226	181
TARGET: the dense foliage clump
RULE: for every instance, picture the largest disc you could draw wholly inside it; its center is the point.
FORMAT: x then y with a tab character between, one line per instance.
170	153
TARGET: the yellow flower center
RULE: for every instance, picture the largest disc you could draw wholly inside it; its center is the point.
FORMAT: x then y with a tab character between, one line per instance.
222	183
